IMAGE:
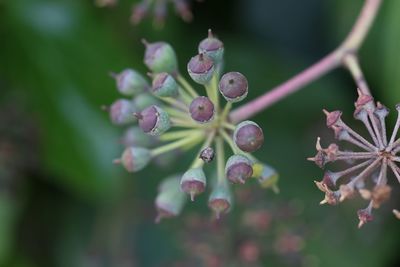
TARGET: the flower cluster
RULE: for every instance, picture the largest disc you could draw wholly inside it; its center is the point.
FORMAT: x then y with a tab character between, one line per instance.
368	172
157	7
170	101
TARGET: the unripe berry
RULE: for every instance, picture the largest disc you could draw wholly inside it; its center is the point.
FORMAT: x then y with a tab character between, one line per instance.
267	176
160	57
201	109
134	136
121	112
153	120
238	169
164	85
201	68
130	82
248	136
134	158
170	199
193	182
233	86
212	47
220	199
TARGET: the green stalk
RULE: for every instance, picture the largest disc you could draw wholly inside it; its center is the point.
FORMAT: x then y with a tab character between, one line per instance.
172	146
187	86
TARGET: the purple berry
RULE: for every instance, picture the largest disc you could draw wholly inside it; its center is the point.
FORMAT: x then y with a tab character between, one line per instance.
248	136
160	57
238	169
201	109
121	112
164	85
201	68
233	86
193	182
212	47
134	158
153	120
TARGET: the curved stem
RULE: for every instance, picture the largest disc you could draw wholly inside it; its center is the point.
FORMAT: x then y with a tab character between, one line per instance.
335	59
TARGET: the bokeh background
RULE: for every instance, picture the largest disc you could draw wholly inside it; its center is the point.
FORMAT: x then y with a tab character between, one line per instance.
63	203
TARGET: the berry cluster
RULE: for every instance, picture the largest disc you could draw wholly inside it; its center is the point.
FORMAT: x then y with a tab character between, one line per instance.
368	177
171	102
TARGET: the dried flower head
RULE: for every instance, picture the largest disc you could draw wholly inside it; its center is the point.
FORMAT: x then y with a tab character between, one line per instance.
158	8
367	174
174	116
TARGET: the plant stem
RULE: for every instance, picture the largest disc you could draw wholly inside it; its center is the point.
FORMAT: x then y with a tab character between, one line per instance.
351	62
172	146
230	142
220	160
174	135
187	86
335	59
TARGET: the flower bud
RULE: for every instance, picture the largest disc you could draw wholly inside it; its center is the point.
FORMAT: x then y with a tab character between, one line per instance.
248	136
134	158
170	198
134	136
160	57
233	86
193	182
130	82
266	175
238	169
220	199
365	216
201	68
212	47
207	154
164	85
153	120
201	109
121	112
145	100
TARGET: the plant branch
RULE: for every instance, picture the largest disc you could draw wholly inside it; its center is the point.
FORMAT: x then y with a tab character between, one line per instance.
350	46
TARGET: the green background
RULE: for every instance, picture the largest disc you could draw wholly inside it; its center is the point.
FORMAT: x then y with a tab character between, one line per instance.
62	201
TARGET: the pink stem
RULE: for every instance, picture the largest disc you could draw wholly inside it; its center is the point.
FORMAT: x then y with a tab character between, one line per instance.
335	59
310	74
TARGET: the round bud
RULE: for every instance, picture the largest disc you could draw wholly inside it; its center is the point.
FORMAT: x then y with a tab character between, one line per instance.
121	112
248	136
220	199
233	86
160	57
238	169
212	47
170	199
134	136
164	85
153	120
193	182
201	68
134	158
267	176
144	100
201	109
130	82
207	154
